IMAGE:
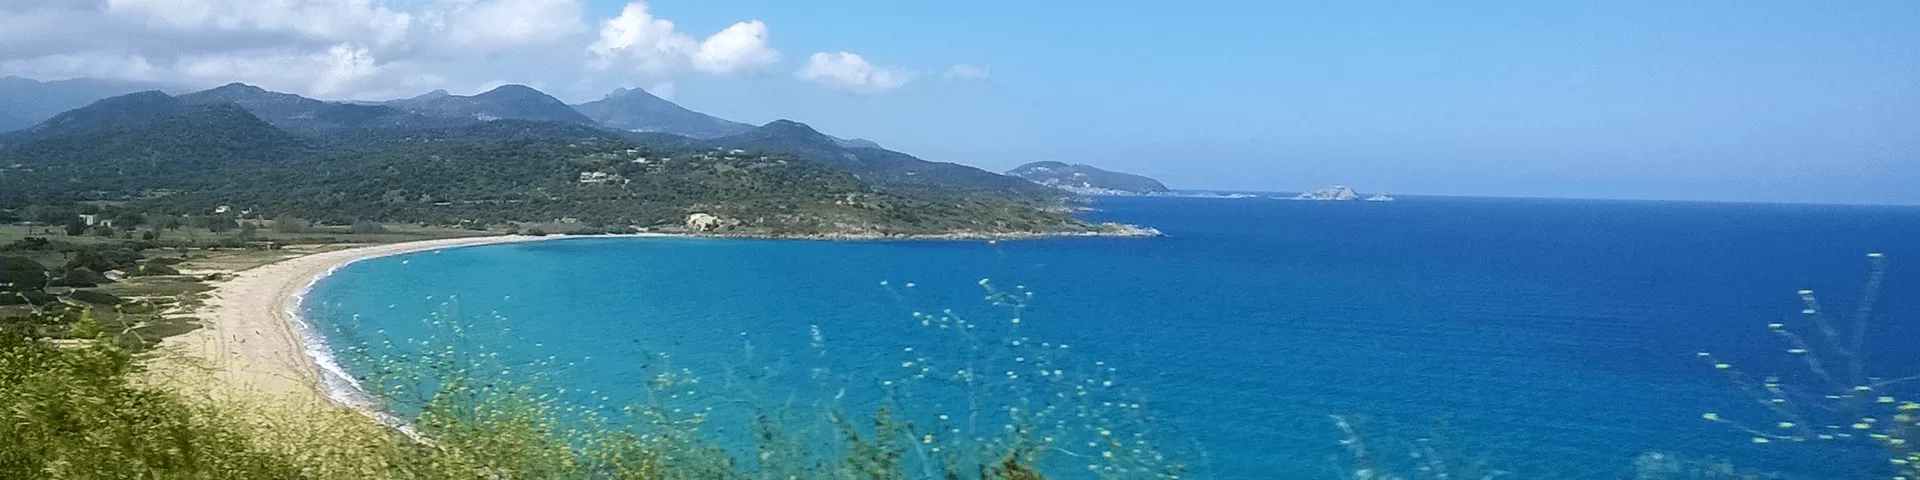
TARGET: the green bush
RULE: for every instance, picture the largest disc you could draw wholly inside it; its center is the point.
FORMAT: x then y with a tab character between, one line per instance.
95	297
102	260
151	269
77	413
368	226
21	274
81	277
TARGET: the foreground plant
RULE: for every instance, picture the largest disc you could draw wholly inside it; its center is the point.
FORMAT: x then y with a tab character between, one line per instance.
1843	406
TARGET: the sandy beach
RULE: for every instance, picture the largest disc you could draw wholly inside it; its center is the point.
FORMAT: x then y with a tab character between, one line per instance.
250	344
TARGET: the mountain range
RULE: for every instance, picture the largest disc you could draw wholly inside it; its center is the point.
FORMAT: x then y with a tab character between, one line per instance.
507	155
630	113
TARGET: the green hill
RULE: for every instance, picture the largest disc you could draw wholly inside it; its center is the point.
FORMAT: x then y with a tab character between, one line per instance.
1086	180
160	155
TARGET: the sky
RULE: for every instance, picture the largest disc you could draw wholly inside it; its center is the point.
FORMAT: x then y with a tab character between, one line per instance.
1705	100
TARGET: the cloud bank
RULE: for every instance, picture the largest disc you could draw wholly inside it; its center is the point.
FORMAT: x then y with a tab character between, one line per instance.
847	71
376	49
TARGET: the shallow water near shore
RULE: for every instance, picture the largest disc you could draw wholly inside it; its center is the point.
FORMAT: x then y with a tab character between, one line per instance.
1554	337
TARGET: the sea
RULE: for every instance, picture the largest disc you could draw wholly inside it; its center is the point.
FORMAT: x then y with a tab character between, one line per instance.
1260	338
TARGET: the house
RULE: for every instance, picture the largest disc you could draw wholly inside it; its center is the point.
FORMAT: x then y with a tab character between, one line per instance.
596	177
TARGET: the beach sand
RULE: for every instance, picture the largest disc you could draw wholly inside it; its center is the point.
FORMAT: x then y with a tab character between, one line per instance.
250	346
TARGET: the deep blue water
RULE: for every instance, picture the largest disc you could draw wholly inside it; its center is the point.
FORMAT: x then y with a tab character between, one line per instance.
1556	337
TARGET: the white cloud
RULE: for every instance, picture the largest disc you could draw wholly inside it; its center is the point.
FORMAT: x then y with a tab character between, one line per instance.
504	24
652	47
741	48
640	41
968	72
848	71
325	48
375	49
332	20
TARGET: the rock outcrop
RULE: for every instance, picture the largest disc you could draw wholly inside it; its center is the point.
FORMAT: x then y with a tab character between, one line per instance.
703	222
1336	193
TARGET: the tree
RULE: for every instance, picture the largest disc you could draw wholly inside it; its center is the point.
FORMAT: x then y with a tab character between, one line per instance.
49	215
367	226
7	216
291	224
76	227
219	223
126	220
18	274
168	222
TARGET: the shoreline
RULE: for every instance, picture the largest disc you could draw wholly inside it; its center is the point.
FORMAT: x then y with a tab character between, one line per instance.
253	340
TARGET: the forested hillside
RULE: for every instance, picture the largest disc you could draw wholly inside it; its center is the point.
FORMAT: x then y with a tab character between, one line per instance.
154	154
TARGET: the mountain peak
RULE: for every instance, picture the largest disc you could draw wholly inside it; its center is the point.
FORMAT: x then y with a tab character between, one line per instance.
505	102
433	95
114	113
785	124
636	110
516	90
141	96
237	86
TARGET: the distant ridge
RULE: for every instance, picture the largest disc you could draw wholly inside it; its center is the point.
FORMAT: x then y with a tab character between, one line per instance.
521	112
305	115
639	111
160	154
107	115
875	164
507	102
1087	180
26	102
636	110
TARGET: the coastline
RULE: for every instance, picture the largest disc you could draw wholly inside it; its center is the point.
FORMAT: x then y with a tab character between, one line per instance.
253	342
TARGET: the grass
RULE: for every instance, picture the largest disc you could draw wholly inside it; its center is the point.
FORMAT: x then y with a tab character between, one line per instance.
162	304
1834	403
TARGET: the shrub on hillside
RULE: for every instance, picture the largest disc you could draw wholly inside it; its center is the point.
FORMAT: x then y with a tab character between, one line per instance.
80	278
149	269
96	297
368	226
22	274
102	260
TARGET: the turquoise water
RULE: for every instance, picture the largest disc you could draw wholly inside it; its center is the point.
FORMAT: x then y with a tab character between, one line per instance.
1552	337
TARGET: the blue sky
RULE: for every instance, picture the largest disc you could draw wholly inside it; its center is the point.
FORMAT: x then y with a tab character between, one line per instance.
1751	101
1697	100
